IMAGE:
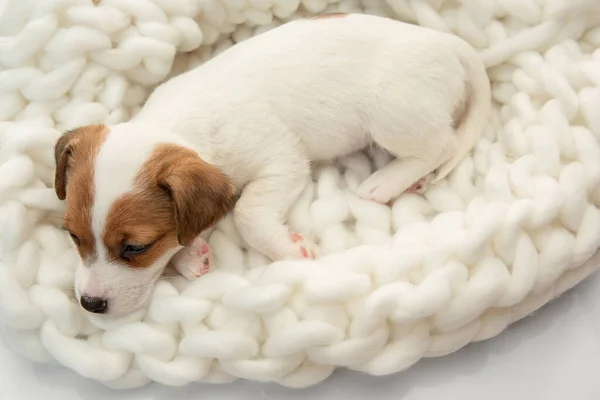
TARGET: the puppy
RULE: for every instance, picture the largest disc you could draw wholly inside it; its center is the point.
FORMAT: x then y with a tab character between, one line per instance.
239	134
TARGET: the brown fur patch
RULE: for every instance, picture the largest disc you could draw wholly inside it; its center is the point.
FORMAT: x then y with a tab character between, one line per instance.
327	16
141	217
75	154
176	196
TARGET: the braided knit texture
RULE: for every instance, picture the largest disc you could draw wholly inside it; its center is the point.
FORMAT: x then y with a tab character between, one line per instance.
515	225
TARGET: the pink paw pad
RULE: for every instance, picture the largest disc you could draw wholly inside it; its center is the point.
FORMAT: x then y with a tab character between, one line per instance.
203	269
305	251
414	187
418	186
195	260
203	250
204	261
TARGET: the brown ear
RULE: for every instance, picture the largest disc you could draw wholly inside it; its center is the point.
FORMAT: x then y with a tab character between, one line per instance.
86	140
62	154
201	194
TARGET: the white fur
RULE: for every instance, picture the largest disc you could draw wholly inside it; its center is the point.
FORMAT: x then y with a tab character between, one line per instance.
308	90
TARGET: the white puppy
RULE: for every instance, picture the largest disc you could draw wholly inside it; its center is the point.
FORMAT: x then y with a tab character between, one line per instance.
242	130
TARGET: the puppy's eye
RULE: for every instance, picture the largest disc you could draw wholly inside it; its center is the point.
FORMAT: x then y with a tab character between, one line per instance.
132	250
75	239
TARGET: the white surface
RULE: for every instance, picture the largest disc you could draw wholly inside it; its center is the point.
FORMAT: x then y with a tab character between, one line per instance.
552	355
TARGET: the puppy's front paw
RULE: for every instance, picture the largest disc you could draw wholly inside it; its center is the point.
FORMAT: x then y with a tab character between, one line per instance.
303	248
194	260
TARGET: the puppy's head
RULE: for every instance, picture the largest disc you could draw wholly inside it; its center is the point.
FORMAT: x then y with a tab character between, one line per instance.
131	203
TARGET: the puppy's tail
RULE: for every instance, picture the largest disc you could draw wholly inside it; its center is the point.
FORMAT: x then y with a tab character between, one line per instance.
473	109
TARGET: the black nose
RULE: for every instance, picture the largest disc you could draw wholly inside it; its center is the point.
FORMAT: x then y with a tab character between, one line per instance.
94	305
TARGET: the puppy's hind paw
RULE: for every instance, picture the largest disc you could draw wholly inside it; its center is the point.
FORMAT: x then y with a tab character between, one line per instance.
421	185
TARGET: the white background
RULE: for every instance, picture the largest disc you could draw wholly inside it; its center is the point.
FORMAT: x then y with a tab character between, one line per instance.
552	355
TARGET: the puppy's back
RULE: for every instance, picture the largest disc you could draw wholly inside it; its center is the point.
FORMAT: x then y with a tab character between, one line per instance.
311	72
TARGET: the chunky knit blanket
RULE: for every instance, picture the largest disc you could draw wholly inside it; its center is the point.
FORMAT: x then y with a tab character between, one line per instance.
515	225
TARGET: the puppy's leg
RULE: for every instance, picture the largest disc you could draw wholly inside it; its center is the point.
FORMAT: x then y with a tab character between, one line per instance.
194	260
260	212
408	172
